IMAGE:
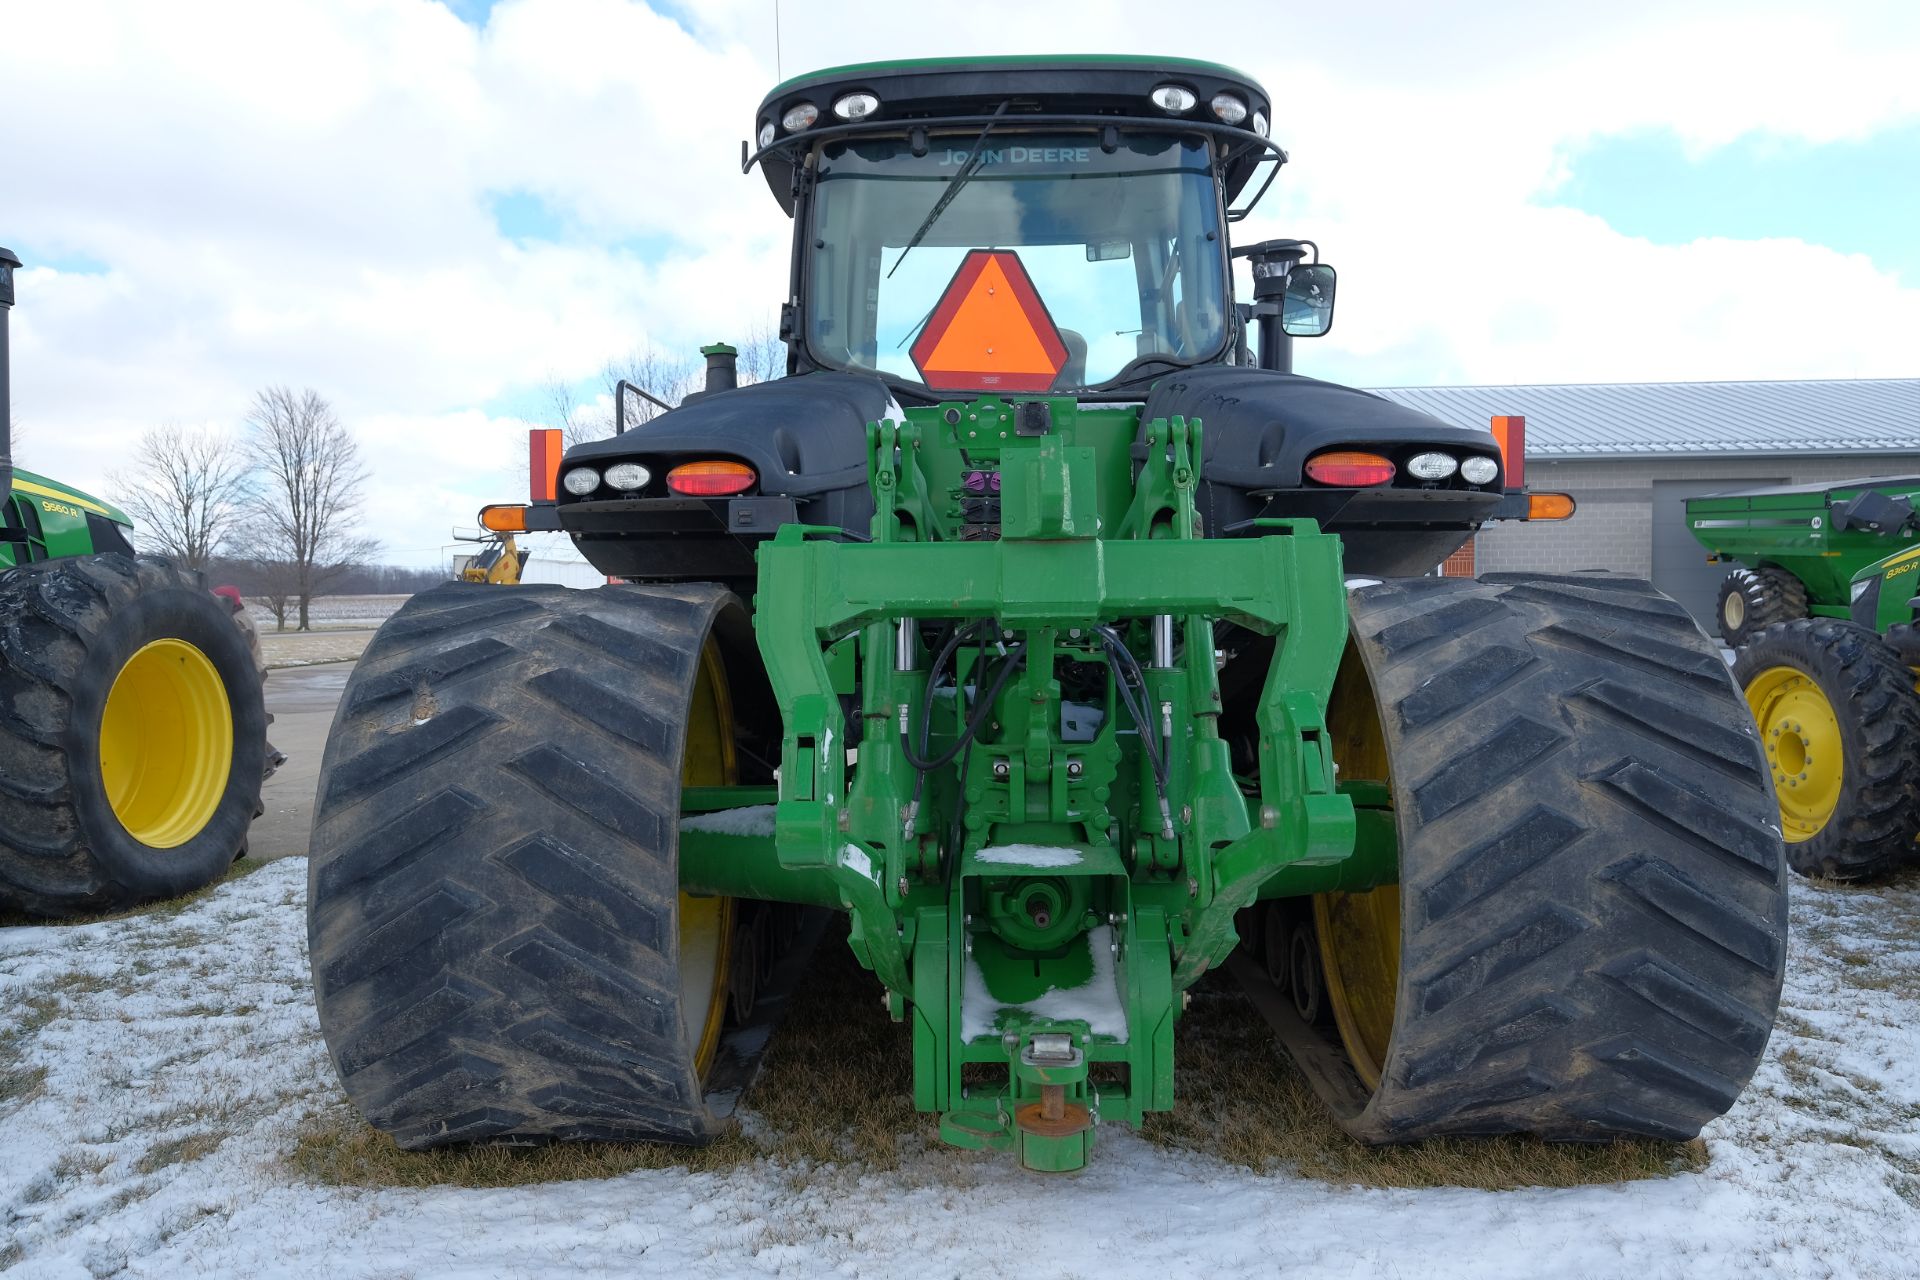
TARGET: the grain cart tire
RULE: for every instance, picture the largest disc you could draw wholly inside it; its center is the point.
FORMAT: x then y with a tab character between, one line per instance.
1840	720
1752	599
1587	938
132	734
500	947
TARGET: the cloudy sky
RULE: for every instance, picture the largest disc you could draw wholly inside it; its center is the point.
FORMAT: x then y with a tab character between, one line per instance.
427	210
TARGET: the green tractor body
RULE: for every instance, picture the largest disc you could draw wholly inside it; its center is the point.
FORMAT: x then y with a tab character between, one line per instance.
1046	627
47	520
1886	593
132	727
1800	547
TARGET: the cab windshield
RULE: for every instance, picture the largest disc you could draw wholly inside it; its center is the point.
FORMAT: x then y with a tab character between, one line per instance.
1123	248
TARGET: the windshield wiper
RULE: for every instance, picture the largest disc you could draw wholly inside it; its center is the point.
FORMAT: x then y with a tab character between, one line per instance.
974	157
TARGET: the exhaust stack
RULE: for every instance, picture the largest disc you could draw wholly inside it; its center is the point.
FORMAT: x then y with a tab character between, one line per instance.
8	261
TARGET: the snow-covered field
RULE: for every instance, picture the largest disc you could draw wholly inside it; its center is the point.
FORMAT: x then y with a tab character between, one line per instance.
156	1072
332	613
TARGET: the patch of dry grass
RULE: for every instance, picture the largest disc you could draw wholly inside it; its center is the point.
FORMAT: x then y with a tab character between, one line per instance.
20	1083
1242	1100
837	1089
182	1150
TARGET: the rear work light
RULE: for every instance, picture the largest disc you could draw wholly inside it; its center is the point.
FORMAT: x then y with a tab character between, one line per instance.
1350	470
711	479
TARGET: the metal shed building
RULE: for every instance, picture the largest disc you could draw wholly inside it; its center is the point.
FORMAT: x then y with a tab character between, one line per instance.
1631	453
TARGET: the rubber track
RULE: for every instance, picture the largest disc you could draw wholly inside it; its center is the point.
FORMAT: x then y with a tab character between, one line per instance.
54	831
1871	689
1593	892
493	882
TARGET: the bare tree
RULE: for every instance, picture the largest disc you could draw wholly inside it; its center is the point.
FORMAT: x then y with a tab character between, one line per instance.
307	508
575	421
763	357
653	371
186	491
275	584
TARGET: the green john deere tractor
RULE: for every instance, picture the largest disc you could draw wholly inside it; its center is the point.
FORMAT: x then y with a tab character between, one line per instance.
1837	702
1045	625
132	730
1799	548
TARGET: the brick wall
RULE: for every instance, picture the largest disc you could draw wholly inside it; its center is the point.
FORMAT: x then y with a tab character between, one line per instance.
1460	563
1613	527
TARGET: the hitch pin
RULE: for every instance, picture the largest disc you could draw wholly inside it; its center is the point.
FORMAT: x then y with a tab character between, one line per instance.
1163	640
903	643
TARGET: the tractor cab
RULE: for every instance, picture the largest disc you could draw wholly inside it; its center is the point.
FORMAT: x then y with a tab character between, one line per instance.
984	238
1019	225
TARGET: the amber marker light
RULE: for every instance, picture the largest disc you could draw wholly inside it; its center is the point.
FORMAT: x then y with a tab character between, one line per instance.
504	518
710	479
1550	506
1350	470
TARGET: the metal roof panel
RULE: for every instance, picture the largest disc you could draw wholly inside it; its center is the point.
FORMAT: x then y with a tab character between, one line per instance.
1816	416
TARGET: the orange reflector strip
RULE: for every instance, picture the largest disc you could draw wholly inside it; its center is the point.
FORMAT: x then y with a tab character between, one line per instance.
990	331
504	518
544	448
1510	430
1350	470
711	479
1550	506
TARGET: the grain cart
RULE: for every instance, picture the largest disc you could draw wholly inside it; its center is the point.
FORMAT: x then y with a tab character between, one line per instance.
1838	707
1045	625
1798	547
133	735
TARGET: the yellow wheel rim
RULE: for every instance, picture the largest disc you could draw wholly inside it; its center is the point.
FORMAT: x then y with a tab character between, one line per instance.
1360	932
166	744
706	924
1802	739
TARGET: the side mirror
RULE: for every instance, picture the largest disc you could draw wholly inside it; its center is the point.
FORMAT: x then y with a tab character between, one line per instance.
1306	309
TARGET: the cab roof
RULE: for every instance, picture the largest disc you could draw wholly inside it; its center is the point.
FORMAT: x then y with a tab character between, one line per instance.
958	92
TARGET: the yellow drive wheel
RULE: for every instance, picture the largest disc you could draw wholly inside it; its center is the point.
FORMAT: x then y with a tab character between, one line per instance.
1359	933
1801	735
137	739
1838	718
166	743
706	923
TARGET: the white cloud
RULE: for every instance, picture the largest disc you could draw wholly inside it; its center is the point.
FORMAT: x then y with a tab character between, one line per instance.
298	192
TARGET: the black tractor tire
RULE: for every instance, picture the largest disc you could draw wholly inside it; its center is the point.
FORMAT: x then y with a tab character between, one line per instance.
1904	640
494	917
1753	599
68	629
1592	909
1869	688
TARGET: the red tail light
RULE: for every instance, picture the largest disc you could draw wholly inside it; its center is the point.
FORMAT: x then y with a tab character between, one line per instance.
711	479
1350	470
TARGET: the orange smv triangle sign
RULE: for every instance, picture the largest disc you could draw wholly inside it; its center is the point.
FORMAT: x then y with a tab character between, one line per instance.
990	331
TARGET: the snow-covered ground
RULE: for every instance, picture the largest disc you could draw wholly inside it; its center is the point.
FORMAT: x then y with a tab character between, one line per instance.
155	1074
